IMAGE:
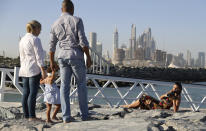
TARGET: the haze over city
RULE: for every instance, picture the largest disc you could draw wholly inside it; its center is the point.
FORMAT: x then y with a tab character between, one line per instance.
177	26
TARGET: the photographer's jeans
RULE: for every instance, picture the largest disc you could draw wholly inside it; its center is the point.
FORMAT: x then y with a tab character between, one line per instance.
30	86
78	69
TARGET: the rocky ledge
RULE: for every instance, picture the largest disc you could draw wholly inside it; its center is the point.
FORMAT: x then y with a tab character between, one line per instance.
104	118
186	75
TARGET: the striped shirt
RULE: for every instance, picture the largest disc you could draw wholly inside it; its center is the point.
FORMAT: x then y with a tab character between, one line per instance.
68	32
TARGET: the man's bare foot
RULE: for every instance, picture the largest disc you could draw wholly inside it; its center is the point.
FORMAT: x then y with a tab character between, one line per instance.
36	119
69	121
65	122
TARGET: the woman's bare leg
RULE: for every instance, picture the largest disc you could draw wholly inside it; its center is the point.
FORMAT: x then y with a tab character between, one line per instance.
135	104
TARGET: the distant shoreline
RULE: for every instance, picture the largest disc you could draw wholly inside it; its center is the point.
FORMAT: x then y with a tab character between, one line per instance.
160	74
187	76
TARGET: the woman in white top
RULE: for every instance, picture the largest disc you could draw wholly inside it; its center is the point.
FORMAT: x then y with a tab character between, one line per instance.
31	70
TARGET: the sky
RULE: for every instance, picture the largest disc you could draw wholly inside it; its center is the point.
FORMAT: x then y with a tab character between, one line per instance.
177	25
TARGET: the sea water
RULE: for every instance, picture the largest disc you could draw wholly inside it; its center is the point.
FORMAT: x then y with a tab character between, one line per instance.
114	97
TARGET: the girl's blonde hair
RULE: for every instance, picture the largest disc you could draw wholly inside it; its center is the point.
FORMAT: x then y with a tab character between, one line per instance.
32	25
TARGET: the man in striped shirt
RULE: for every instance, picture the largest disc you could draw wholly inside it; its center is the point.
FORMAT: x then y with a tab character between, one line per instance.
68	32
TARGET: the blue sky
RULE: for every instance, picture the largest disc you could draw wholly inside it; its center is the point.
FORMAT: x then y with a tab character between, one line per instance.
177	25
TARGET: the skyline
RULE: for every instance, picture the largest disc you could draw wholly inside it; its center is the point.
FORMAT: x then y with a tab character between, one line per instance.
173	23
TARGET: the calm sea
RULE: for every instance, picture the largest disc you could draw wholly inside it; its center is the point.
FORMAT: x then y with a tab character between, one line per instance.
111	93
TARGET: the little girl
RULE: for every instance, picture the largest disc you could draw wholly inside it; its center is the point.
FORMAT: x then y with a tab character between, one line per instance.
51	95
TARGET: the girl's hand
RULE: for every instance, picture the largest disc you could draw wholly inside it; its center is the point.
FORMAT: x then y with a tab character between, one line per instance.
54	66
42	81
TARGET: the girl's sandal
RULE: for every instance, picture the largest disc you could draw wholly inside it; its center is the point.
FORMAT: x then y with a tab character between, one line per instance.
49	121
56	119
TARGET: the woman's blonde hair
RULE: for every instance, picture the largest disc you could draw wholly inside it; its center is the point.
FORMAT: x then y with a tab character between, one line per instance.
32	25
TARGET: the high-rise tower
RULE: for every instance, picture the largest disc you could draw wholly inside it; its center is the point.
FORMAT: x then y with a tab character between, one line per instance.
201	59
115	41
93	40
99	48
133	42
189	58
133	32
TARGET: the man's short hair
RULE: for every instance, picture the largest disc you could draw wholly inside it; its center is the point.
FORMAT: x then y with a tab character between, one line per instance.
68	5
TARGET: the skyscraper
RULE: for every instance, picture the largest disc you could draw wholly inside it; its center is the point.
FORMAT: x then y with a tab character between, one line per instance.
93	40
132	42
153	45
147	42
115	40
107	56
192	62
158	56
130	49
99	48
169	59
201	59
164	57
133	32
189	58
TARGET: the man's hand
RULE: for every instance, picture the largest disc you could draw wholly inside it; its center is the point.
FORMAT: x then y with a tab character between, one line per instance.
53	64
89	62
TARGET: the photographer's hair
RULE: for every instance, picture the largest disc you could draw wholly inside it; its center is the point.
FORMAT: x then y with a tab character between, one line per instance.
68	6
32	25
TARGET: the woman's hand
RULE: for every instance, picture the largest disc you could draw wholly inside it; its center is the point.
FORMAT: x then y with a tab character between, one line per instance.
175	106
43	73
